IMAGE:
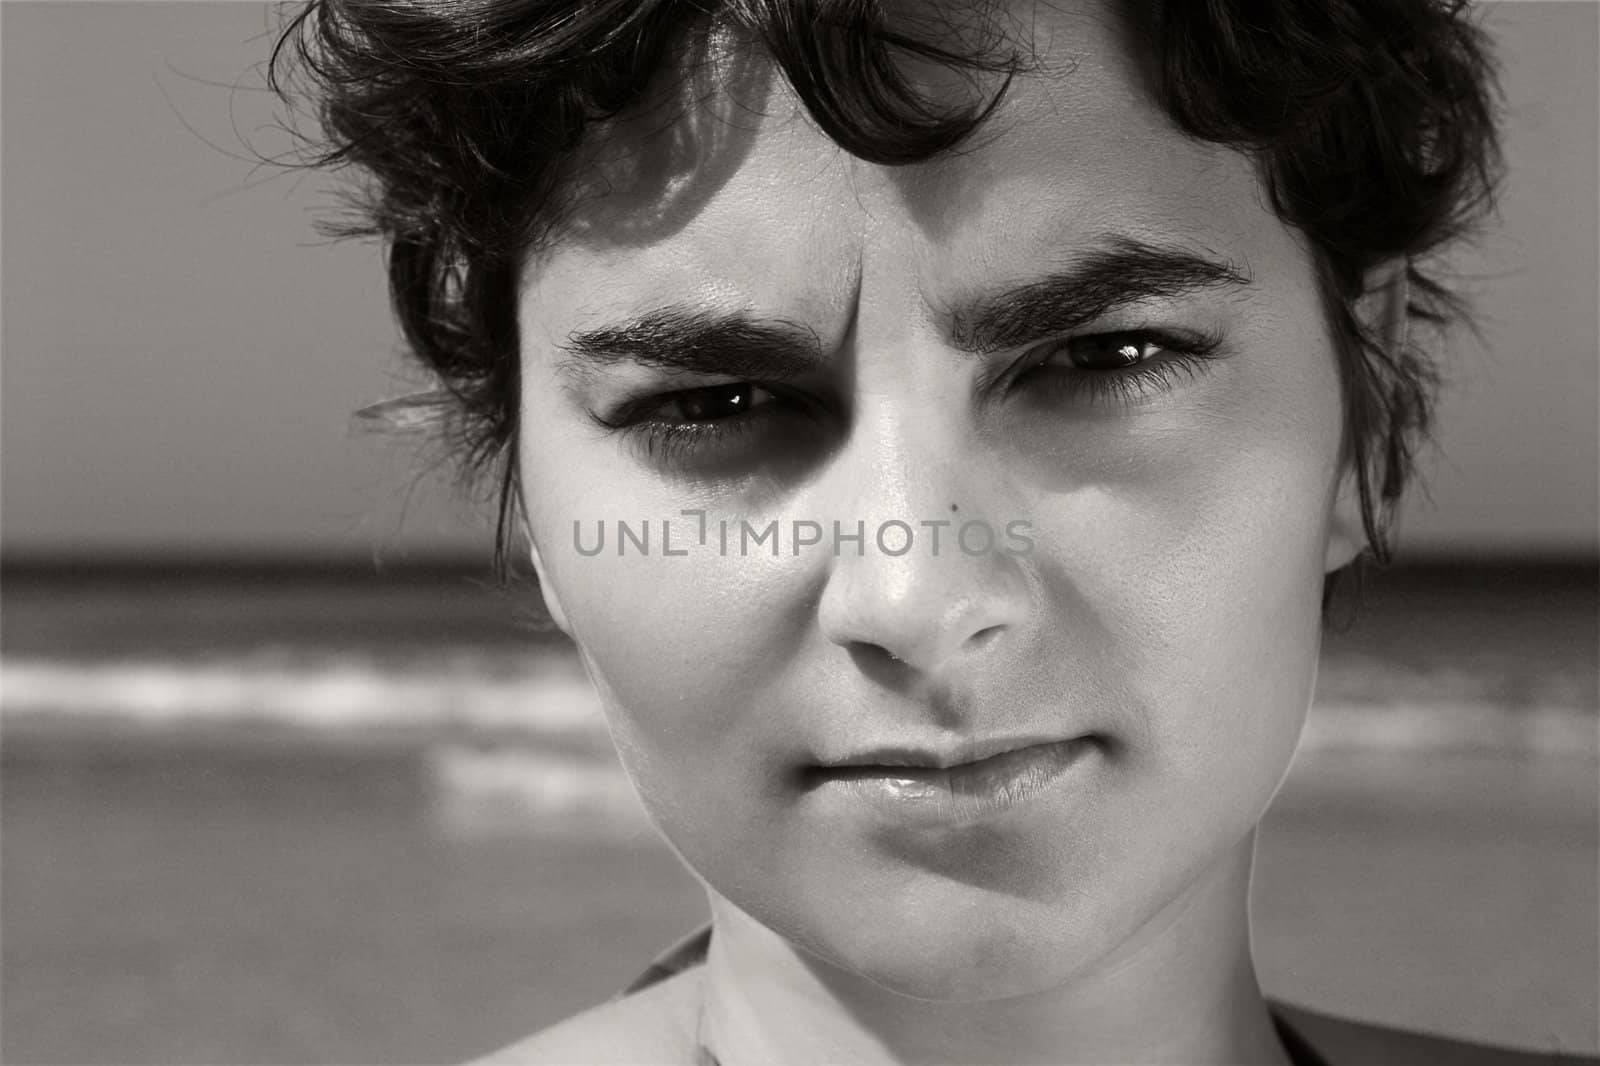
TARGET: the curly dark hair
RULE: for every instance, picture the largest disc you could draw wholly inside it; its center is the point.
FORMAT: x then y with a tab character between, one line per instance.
1372	123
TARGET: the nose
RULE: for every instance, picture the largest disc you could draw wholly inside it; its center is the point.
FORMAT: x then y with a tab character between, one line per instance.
926	586
932	615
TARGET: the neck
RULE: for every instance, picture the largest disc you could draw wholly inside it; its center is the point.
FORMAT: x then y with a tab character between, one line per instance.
1182	989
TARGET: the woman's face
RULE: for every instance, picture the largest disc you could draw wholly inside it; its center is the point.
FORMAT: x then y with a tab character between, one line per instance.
1087	325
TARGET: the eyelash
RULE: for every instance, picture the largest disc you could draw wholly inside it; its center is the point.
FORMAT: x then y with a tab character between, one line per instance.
1180	354
675	442
669	442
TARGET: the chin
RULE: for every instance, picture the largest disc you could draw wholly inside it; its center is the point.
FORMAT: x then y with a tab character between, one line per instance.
959	959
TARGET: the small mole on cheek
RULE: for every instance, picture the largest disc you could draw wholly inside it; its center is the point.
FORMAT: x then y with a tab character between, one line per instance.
952	507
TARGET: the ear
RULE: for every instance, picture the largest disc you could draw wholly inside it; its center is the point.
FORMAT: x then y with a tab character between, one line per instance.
552	602
547	590
1347	535
1381	311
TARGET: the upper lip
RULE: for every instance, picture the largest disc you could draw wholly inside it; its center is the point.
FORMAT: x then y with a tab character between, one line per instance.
939	757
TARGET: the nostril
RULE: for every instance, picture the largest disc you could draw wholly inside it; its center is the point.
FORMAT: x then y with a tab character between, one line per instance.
878	663
983	637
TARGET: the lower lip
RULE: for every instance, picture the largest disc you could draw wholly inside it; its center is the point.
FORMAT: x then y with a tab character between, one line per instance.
960	795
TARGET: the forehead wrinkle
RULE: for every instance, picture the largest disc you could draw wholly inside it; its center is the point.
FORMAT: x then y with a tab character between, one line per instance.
791	257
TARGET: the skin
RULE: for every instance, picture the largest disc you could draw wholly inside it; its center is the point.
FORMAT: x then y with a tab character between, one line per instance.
1168	613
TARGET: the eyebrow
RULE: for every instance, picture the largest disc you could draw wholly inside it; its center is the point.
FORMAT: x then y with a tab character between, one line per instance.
699	340
1120	273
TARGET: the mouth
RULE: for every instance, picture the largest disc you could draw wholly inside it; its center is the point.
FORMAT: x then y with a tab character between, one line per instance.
972	753
943	788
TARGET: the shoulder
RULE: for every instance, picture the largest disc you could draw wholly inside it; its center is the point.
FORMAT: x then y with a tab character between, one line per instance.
1345	1041
655	1025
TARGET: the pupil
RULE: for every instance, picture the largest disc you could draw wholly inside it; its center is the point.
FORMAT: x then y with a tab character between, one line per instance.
717	401
1108	354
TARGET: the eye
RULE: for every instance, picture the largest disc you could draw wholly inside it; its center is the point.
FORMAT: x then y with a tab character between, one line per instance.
1109	351
712	425
714	402
1128	367
691	408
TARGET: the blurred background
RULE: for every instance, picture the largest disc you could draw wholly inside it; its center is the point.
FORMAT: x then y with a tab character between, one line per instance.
285	779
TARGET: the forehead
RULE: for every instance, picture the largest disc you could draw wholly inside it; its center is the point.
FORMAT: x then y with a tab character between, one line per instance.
728	193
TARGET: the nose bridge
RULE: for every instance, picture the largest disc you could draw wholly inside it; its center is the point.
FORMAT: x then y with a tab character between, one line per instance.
907	454
925	568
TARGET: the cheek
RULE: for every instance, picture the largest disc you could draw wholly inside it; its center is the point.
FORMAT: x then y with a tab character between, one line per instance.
1185	555
1219	602
681	650
1240	602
